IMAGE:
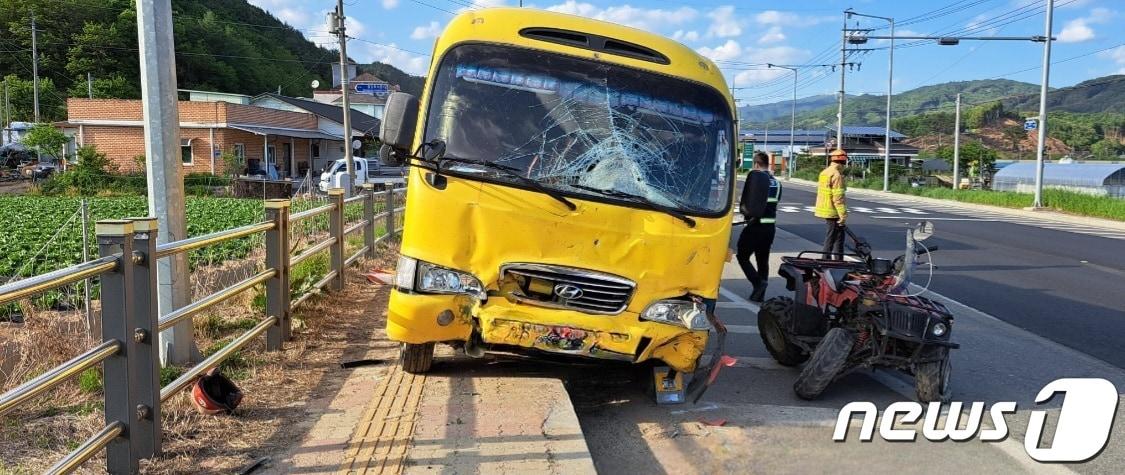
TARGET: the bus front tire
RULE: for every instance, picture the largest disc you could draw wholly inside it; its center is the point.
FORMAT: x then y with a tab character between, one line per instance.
416	358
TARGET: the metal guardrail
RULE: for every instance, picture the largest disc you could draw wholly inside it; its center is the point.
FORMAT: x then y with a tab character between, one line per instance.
131	323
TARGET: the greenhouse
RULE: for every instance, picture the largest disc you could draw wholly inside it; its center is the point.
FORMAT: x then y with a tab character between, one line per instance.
1104	179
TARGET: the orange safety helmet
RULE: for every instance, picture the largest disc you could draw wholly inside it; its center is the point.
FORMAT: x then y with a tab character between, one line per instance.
213	393
838	155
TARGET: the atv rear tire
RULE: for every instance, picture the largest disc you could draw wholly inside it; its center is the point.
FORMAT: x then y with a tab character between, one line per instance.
416	358
826	363
771	323
931	380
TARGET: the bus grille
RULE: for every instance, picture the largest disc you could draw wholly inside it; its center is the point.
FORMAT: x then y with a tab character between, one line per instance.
567	287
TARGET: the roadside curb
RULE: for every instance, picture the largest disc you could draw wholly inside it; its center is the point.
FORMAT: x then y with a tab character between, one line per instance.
1053	216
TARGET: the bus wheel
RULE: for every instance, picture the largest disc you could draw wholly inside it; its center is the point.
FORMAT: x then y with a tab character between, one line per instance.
416	358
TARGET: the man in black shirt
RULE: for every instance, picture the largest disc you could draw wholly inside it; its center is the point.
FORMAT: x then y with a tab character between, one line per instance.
760	196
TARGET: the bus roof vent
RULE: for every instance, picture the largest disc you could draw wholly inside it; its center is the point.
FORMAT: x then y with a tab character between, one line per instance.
595	43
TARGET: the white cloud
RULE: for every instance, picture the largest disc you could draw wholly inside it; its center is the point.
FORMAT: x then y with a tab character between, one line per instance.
1076	31
789	19
728	51
409	62
772	35
649	19
422	32
690	36
1117	55
310	20
1079	30
390	4
724	23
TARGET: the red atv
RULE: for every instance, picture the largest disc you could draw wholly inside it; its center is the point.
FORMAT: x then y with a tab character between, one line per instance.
859	313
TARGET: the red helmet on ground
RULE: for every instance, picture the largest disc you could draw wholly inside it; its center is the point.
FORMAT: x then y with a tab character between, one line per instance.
213	393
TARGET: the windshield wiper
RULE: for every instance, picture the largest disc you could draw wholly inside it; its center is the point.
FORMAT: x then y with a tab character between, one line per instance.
640	200
515	173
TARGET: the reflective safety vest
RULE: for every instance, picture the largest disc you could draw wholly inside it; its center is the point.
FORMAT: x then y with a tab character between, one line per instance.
830	191
772	200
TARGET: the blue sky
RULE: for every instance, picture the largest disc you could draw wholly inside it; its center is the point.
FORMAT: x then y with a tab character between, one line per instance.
740	35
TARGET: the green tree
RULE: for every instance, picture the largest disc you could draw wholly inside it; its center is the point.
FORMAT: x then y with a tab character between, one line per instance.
1107	149
47	140
22	97
975	156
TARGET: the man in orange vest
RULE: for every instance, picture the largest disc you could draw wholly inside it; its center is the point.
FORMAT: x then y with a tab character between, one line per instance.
830	205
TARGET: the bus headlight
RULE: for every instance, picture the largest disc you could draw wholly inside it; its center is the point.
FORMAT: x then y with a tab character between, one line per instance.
690	314
421	276
939	329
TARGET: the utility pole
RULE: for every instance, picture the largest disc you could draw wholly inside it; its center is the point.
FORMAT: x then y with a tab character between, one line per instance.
7	115
890	91
957	146
340	31
35	66
89	86
840	100
165	183
1043	107
792	120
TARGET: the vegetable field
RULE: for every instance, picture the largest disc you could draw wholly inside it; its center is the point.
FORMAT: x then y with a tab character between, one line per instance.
39	234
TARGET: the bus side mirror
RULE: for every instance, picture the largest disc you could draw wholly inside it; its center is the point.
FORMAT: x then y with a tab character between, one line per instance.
400	118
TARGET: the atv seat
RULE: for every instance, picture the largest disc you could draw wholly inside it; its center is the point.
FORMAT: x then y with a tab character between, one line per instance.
834	277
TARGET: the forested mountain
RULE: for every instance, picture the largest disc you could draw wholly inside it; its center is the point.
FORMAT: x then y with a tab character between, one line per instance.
1104	94
221	45
780	110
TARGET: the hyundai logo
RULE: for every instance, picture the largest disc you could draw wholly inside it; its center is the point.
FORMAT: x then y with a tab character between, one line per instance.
568	292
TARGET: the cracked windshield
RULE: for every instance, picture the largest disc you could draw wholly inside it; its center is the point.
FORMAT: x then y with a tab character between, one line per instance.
582	127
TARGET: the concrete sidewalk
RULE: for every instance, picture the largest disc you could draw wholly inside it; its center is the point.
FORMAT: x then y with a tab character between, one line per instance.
460	418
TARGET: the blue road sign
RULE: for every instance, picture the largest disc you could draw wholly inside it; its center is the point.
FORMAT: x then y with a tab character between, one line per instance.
1030	124
372	88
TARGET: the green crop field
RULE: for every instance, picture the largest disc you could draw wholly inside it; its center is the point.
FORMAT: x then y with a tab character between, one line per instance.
41	233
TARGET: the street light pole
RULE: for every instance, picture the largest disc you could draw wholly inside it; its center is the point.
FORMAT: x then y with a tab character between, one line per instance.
890	92
957	145
792	120
1043	107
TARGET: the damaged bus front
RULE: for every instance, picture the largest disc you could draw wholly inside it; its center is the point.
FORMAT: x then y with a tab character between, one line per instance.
570	189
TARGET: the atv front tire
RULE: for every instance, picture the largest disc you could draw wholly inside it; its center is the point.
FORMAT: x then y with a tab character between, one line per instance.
416	358
826	363
931	380
771	327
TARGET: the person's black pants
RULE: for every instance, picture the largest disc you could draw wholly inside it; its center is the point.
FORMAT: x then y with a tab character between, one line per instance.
756	240
833	240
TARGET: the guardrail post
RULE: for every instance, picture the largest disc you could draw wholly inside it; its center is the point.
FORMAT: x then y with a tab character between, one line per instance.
277	258
336	229
116	236
390	204
145	432
369	216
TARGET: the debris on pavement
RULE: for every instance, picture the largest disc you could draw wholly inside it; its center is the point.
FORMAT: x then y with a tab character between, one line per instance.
362	362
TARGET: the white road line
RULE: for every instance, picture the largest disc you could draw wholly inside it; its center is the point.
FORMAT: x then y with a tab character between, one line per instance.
743	329
887	210
913	211
738	299
934	219
862	209
737	305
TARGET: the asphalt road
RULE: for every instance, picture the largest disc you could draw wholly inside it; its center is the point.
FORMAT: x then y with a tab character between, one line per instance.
1065	286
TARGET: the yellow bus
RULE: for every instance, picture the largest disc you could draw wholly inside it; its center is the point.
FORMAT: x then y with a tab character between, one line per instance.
570	191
